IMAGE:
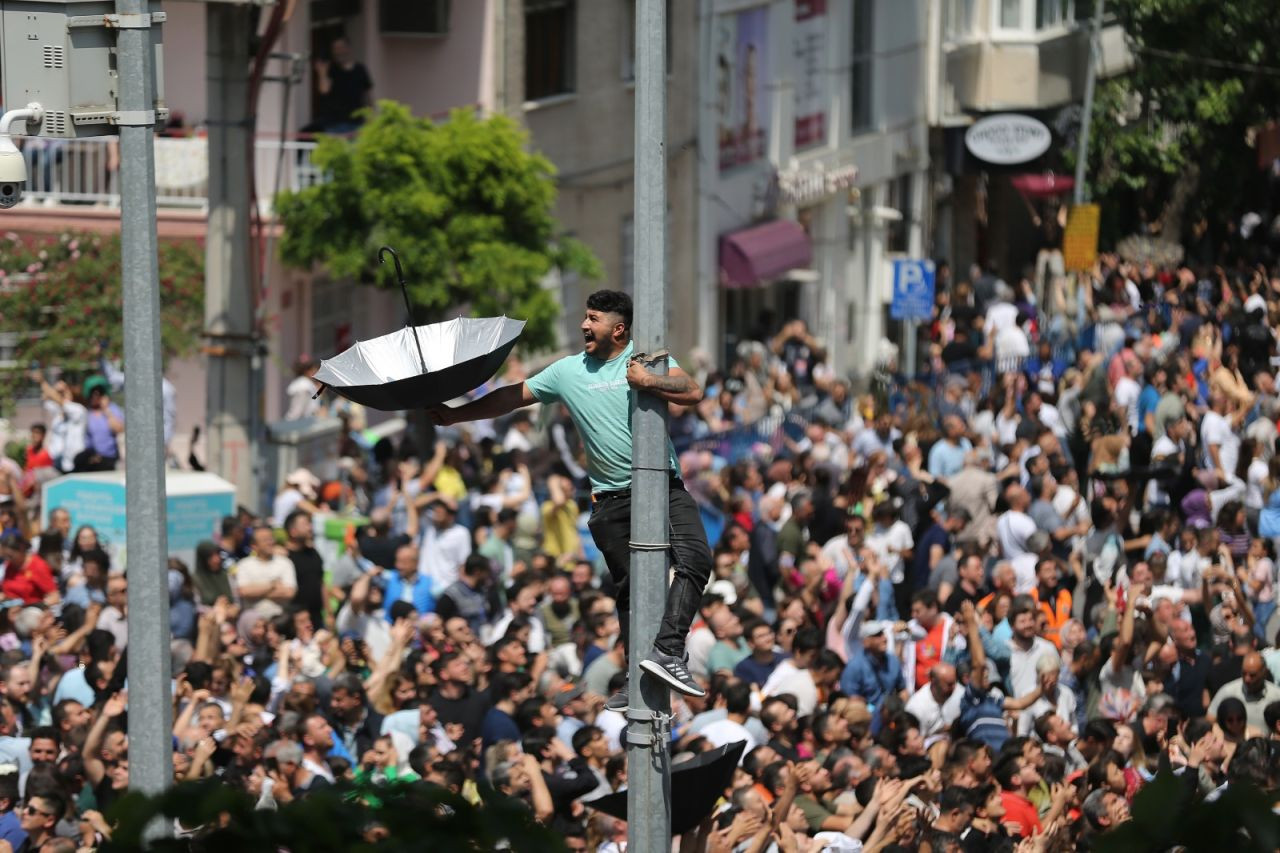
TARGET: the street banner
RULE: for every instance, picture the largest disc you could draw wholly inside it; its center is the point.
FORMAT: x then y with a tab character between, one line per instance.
810	63
741	81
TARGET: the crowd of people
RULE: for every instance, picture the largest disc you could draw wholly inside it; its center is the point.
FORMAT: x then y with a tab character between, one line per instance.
975	608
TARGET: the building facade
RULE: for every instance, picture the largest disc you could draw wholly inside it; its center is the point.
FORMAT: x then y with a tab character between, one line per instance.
998	57
815	151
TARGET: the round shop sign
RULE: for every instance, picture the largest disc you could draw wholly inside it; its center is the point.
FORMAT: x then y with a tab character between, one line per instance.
1007	139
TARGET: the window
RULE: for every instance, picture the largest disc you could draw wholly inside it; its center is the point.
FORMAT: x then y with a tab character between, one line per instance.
1028	15
958	19
899	230
1011	15
549	34
860	106
629	28
1054	13
413	17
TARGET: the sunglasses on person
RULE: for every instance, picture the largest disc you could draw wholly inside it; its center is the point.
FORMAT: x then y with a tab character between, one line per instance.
31	810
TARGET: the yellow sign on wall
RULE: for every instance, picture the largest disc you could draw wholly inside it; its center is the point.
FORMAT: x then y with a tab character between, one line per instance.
1080	240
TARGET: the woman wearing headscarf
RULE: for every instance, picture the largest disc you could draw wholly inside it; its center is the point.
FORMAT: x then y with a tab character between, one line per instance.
209	578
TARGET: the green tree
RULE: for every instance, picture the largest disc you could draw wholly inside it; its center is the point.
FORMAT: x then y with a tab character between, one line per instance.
62	298
464	202
1171	137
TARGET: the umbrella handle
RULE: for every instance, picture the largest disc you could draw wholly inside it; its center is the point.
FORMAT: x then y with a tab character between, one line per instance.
404	291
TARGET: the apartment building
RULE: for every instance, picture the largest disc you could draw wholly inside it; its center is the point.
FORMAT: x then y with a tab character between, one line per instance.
1000	58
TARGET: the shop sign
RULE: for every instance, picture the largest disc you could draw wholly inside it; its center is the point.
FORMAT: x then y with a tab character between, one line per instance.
1080	240
1008	139
802	186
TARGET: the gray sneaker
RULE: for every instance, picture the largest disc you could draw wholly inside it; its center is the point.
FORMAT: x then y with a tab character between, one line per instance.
673	671
619	701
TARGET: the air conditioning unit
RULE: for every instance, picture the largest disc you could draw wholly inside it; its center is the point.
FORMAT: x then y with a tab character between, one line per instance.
413	17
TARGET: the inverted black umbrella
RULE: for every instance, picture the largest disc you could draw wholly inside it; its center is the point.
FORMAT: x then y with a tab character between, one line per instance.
696	784
420	366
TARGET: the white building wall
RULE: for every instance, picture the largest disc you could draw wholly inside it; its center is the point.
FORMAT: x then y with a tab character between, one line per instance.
844	303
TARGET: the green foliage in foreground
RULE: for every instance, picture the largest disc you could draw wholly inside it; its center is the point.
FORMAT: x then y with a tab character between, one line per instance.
1240	821
410	817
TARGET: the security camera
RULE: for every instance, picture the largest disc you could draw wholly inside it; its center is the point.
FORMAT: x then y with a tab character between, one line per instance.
13	167
13	176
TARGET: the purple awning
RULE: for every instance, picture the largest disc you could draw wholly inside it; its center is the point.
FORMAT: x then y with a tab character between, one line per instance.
757	255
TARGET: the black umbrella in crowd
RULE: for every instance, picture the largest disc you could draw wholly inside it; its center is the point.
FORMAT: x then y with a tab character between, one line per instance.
696	785
420	366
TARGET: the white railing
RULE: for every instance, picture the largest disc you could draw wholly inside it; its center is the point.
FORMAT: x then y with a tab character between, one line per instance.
87	171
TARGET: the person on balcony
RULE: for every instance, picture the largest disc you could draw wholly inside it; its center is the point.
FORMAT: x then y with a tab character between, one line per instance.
344	88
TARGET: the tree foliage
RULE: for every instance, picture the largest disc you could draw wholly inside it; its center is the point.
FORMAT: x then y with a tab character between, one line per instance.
1172	136
468	208
63	297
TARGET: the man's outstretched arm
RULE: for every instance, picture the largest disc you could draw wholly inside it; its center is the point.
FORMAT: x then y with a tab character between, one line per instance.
676	387
495	404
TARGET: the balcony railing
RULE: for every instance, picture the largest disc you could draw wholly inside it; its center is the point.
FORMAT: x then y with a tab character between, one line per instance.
87	171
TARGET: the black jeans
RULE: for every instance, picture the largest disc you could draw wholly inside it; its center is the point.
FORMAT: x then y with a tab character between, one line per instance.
610	527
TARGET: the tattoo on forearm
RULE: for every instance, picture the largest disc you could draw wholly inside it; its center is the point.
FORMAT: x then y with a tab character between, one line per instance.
676	384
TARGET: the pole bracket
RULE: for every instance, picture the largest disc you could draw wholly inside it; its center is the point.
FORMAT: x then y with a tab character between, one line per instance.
134	118
650	546
647	728
141	21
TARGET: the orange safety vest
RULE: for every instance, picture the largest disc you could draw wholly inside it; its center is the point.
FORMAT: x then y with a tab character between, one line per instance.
1057	612
929	652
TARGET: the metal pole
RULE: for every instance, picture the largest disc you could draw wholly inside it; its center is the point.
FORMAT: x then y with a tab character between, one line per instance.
1086	118
150	753
911	336
648	761
233	392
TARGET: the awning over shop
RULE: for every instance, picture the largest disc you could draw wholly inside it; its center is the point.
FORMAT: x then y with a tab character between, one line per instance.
760	254
1044	185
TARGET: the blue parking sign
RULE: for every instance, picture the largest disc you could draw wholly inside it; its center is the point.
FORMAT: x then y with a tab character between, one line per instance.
913	286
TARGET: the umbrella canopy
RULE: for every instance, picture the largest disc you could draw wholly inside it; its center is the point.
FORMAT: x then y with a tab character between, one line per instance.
421	366
696	784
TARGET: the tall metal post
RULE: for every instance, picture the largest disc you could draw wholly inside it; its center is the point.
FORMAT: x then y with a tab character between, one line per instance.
150	752
648	761
232	392
1086	118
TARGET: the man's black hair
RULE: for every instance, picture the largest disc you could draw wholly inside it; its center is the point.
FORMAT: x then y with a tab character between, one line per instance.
529	708
584	736
807	639
737	697
504	684
612	302
292	517
536	739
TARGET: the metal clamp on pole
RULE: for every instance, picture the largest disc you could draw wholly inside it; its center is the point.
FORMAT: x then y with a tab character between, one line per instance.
658	726
134	118
650	546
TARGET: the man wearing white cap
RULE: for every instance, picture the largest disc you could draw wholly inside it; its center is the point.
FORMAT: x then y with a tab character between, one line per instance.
872	672
299	492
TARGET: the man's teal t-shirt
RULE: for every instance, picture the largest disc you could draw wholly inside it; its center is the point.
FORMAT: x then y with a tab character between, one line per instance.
599	401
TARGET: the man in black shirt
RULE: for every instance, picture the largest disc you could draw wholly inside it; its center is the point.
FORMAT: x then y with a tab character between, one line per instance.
308	567
344	87
456	700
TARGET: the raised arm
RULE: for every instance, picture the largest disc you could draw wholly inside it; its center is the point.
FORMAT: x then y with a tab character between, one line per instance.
496	403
